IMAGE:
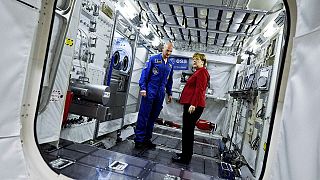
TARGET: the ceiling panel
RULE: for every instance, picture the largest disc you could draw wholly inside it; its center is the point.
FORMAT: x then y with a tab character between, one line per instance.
212	24
170	19
188	11
224	27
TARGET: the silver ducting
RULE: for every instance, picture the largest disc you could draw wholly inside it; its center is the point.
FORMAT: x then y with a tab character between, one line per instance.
92	92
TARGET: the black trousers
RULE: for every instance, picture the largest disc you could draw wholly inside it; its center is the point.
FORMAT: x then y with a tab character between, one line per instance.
189	123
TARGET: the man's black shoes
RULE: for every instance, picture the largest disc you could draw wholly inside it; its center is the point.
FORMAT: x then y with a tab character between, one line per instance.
146	144
150	145
139	145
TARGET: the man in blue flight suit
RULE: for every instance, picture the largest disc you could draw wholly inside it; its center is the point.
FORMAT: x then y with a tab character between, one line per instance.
156	77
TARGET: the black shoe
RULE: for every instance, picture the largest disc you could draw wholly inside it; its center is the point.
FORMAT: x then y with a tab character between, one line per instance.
181	160
150	145
139	145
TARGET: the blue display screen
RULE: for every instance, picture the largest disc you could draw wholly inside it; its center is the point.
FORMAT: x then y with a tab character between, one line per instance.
180	63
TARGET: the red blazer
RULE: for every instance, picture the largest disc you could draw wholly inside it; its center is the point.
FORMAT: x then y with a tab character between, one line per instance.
194	91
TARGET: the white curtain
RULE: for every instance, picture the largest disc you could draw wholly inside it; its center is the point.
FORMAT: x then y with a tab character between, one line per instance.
308	16
18	24
297	152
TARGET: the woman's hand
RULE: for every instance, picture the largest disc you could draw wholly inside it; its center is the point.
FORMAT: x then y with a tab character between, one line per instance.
191	109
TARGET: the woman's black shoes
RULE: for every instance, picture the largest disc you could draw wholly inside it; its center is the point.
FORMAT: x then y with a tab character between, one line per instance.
179	159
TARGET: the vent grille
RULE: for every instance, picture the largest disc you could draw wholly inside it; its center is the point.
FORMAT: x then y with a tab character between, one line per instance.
280	19
260	39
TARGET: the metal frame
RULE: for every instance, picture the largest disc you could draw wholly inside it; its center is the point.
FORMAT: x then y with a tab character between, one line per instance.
134	27
225	8
244	29
203	29
137	37
66	16
205	19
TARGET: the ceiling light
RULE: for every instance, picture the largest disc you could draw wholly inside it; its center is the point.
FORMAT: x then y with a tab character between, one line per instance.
156	41
144	30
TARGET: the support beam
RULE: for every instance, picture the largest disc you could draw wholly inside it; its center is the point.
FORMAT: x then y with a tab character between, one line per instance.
196	22
218	26
225	40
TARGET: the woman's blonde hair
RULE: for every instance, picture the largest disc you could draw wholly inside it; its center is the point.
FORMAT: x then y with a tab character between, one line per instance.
202	57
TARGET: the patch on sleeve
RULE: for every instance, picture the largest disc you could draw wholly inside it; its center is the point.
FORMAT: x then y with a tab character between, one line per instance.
155	71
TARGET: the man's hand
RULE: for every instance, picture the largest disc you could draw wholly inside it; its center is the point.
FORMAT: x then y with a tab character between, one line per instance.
143	93
169	99
191	109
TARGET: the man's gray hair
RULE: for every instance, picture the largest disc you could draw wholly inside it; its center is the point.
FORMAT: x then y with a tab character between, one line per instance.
162	44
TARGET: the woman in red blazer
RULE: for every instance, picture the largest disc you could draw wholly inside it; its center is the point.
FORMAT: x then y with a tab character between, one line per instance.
193	100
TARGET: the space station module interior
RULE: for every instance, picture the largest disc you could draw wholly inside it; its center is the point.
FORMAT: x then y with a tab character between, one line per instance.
90	91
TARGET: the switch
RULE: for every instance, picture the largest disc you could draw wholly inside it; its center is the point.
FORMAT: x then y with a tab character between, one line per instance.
93	25
93	41
95	10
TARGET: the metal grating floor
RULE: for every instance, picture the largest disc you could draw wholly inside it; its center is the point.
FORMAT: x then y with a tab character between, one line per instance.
204	161
90	162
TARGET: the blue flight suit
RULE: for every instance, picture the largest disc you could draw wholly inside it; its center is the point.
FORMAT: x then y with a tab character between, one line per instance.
155	78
